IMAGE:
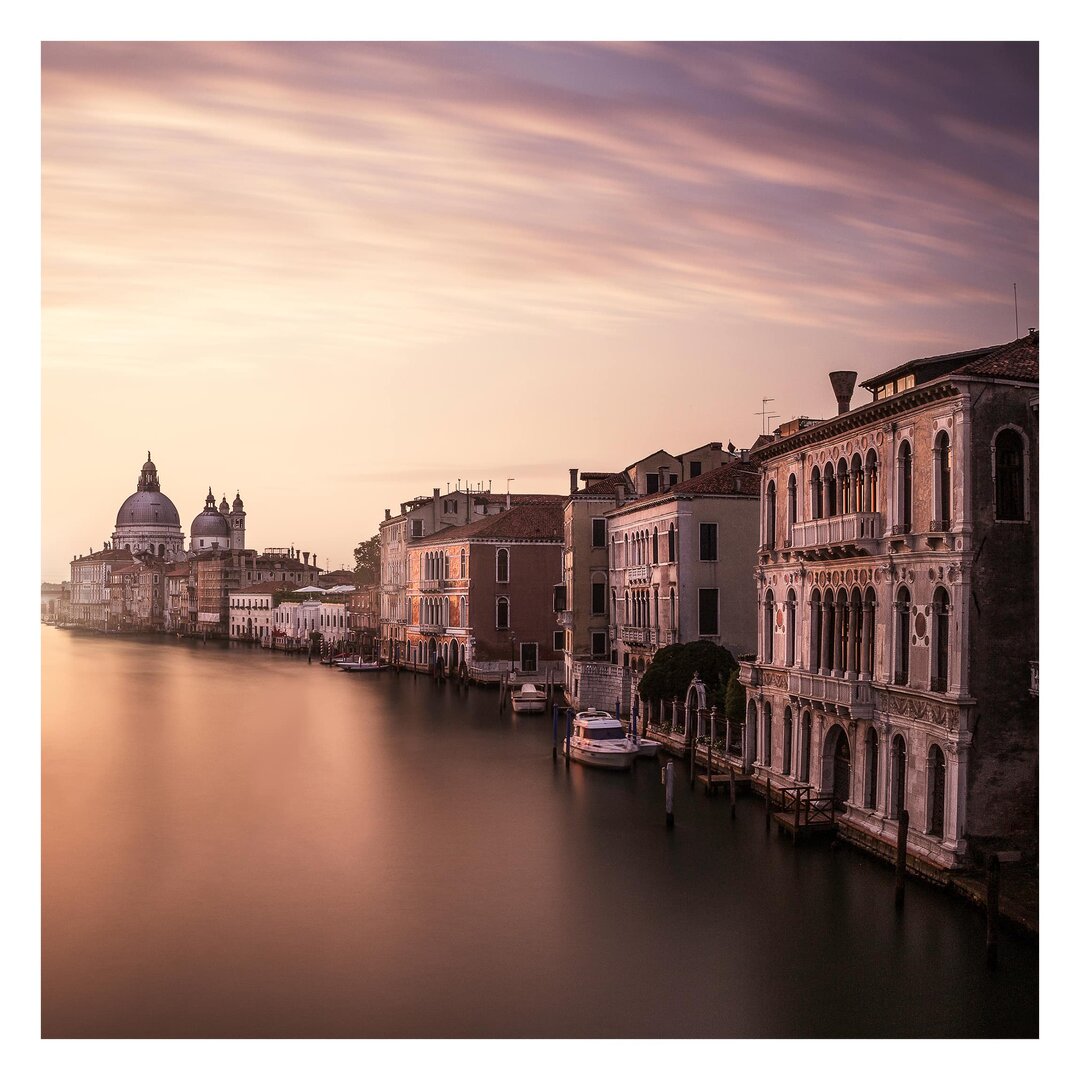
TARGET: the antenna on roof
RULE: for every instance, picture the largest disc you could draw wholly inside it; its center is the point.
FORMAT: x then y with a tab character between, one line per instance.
765	414
1016	312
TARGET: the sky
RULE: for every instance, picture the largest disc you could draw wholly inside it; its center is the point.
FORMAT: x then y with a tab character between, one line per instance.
333	276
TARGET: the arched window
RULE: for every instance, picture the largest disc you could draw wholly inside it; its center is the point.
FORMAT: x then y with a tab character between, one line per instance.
502	565
903	487
502	613
828	632
939	677
830	490
766	735
655	545
935	791
869	626
843	484
1009	476
942	482
804	748
671	542
871	481
857	493
787	741
815	494
902	651
843	633
789	629
870	786
792	507
815	630
769	627
898	762
673	617
770	515
461	564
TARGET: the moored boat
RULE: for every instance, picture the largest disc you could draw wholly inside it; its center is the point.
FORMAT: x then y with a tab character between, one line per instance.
527	698
360	665
599	739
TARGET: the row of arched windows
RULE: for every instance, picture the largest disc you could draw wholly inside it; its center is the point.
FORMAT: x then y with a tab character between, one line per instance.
796	758
645	547
437	565
853	488
842	632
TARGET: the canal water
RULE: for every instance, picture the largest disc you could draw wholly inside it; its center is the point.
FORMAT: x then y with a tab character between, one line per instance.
238	844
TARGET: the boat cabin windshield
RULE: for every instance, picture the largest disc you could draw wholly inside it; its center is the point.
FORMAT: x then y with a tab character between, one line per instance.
597	734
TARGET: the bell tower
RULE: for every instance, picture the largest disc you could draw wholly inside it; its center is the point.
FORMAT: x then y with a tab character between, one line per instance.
238	523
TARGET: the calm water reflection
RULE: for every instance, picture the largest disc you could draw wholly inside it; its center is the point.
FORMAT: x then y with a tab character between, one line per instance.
238	844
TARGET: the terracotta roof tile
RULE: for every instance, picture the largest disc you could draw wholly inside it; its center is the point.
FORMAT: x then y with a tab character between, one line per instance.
1017	360
530	521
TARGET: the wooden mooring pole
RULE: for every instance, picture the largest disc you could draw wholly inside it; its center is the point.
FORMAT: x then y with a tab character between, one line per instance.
768	804
731	789
993	897
569	728
667	777
901	859
554	732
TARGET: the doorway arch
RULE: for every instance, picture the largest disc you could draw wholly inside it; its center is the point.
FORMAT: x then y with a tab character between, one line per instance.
836	764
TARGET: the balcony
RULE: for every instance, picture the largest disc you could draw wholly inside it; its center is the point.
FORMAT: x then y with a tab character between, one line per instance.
637	635
848	696
564	618
638	575
432	584
846	531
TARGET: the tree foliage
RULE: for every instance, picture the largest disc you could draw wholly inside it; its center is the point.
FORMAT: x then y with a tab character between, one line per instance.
672	669
366	554
735	698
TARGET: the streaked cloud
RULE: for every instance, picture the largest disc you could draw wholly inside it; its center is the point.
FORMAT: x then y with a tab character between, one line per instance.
256	210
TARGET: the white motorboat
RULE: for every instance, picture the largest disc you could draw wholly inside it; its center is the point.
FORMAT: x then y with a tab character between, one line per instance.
360	665
599	739
646	748
527	698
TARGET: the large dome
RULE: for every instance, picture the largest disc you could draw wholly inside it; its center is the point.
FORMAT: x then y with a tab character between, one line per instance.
148	508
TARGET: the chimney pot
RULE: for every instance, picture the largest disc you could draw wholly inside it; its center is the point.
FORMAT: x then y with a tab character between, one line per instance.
573	481
843	384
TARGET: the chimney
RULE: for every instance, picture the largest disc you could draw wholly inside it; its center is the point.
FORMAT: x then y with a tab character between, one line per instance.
573	481
663	470
306	554
386	514
314	559
434	493
843	384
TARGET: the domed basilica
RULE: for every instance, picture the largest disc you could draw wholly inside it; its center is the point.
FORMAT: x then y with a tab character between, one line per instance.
148	522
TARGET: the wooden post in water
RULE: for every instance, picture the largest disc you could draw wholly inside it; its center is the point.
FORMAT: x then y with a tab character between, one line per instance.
668	779
731	788
768	804
901	859
993	896
569	728
554	732
708	766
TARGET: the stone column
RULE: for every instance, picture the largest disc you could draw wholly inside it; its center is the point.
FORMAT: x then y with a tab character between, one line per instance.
854	644
867	634
815	636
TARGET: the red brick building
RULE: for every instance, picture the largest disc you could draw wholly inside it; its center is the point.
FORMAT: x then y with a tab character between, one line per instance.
479	595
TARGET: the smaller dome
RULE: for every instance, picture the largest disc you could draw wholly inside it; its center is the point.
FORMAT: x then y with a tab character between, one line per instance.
238	504
224	507
209	524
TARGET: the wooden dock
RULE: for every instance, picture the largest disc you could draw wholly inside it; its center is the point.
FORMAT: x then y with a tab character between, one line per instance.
801	814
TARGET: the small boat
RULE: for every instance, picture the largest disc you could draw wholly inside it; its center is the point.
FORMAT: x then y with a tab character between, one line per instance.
527	698
599	739
646	748
360	665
